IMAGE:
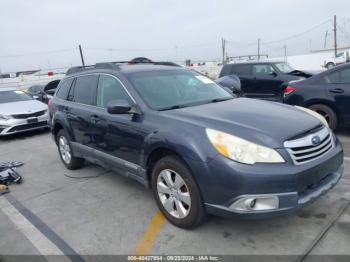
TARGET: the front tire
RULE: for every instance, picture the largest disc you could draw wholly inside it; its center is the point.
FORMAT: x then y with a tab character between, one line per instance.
66	153
176	193
328	113
330	65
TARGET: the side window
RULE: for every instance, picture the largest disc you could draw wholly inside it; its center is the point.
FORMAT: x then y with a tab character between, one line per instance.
345	76
109	88
85	89
339	77
226	70
262	69
64	87
241	70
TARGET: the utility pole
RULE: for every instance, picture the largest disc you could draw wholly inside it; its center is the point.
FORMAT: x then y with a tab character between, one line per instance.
335	35
285	52
223	44
81	55
258	49
325	40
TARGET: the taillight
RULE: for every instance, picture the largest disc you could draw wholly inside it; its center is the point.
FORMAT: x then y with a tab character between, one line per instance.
289	90
49	104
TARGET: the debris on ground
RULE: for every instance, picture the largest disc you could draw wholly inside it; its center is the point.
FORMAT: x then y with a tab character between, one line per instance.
4	189
8	173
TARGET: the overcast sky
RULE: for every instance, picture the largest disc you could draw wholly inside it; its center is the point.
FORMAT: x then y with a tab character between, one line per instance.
160	29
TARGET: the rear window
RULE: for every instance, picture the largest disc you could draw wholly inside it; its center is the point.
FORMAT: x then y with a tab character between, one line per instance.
85	89
64	87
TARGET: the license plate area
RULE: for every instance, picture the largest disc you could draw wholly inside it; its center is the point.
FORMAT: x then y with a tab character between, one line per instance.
32	120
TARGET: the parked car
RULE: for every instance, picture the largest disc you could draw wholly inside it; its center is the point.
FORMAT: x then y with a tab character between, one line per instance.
340	58
231	82
263	80
327	93
43	93
200	149
19	112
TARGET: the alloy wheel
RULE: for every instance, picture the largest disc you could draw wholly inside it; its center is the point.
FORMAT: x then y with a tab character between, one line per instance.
64	149
173	193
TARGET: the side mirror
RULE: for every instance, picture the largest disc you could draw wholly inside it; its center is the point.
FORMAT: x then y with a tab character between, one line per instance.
274	74
35	97
118	107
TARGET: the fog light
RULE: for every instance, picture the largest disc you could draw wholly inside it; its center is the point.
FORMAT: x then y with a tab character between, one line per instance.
252	203
255	203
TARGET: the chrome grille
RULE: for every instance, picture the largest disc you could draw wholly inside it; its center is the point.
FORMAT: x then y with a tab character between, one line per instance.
24	116
310	147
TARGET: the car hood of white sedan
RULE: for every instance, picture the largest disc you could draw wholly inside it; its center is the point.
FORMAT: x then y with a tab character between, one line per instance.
22	107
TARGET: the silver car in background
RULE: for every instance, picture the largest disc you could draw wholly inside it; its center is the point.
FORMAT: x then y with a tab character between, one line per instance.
19	112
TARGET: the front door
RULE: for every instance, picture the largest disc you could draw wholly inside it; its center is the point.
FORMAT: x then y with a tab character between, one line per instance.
121	136
267	83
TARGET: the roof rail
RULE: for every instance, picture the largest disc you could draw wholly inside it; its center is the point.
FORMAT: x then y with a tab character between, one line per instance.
107	65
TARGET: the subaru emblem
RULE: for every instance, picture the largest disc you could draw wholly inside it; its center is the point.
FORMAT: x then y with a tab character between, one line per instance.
316	140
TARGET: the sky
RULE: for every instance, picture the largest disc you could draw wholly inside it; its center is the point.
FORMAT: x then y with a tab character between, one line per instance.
46	34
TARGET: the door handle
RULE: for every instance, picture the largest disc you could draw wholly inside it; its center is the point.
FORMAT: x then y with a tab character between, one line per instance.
337	90
94	119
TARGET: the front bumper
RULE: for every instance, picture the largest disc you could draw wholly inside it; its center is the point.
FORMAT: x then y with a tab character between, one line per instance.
287	202
222	182
13	126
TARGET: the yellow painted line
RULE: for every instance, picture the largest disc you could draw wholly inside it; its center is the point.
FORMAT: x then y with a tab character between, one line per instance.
149	236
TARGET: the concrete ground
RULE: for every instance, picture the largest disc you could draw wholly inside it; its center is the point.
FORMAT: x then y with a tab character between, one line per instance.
107	214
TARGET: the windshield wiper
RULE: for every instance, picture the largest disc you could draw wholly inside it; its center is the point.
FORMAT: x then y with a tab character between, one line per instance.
172	107
220	99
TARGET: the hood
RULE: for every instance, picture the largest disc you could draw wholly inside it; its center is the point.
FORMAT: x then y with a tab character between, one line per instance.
22	107
304	73
263	122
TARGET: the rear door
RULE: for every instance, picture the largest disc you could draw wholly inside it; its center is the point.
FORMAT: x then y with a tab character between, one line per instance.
82	96
338	87
267	84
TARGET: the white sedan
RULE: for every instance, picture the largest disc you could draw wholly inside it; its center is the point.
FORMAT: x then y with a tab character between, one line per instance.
19	112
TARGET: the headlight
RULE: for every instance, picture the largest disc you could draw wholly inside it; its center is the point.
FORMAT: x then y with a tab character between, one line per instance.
241	150
315	114
4	117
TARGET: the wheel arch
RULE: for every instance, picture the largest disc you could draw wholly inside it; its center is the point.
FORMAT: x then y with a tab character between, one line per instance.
326	103
158	153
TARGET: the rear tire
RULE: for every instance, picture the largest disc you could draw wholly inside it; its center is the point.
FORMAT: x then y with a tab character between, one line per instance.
328	113
66	153
176	193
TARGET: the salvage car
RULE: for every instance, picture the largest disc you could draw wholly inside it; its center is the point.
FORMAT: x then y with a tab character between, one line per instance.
327	93
264	80
43	93
199	149
19	112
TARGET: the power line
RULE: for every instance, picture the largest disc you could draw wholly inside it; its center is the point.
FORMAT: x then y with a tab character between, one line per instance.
38	53
150	49
300	34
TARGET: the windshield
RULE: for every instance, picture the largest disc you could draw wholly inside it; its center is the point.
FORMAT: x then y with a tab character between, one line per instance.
13	96
284	67
163	90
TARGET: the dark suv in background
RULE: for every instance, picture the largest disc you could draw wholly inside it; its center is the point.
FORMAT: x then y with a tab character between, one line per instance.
263	80
200	149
